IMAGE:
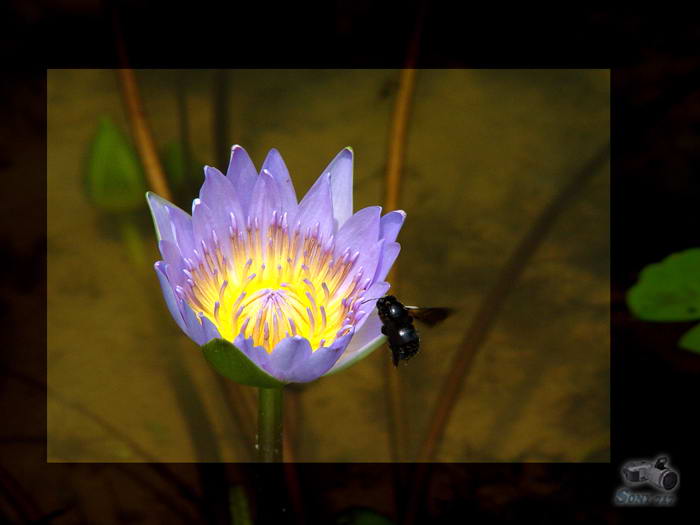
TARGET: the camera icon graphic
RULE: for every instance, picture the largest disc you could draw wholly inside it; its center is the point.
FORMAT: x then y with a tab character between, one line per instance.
655	473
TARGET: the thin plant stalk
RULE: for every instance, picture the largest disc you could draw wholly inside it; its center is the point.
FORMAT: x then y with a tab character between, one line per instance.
142	133
270	424
398	433
398	423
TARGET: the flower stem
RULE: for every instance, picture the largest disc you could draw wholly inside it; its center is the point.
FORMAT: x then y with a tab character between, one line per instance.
270	405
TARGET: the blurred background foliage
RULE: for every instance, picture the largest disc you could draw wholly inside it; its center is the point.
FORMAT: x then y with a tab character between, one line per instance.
486	151
655	108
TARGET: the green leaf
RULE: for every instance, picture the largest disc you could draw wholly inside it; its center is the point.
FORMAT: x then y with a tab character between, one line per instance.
114	178
691	340
230	362
668	290
362	516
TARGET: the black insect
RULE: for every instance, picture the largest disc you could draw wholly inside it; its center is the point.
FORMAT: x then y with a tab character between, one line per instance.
397	325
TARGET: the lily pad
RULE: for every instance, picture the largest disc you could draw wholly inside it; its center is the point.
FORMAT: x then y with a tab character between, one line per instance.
230	362
668	290
691	340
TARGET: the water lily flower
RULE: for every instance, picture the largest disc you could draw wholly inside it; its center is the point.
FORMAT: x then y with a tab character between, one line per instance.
276	290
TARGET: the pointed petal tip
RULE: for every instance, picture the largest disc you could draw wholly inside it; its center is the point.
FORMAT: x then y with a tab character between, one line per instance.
211	171
236	151
155	198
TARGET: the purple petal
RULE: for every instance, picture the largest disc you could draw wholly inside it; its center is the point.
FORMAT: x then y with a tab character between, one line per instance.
202	223
316	208
359	230
367	261
170	300
290	354
278	169
386	260
374	292
390	224
360	234
367	338
264	201
340	170
193	327
172	224
210	330
322	360
218	194
242	174
174	262
257	354
377	290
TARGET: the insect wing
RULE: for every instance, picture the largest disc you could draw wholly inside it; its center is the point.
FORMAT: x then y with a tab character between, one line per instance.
429	316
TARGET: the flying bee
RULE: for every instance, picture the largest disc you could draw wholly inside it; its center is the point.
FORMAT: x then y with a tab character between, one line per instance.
397	325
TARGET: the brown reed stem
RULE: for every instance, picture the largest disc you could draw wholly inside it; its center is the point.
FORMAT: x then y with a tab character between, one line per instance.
142	134
398	424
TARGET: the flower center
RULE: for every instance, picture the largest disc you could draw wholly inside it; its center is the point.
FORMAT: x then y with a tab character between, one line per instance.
268	287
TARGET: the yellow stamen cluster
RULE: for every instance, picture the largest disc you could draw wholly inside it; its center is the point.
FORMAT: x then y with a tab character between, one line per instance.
273	281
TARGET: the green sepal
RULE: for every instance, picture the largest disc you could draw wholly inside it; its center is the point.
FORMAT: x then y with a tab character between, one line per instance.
691	340
230	362
668	290
114	178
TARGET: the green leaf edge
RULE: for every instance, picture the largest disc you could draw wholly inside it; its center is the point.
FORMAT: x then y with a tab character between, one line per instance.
233	364
645	276
691	340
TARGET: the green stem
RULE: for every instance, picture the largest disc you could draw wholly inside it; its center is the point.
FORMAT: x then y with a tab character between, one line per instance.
270	425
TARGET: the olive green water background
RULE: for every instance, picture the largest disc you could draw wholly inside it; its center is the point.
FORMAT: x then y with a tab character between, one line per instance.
486	151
